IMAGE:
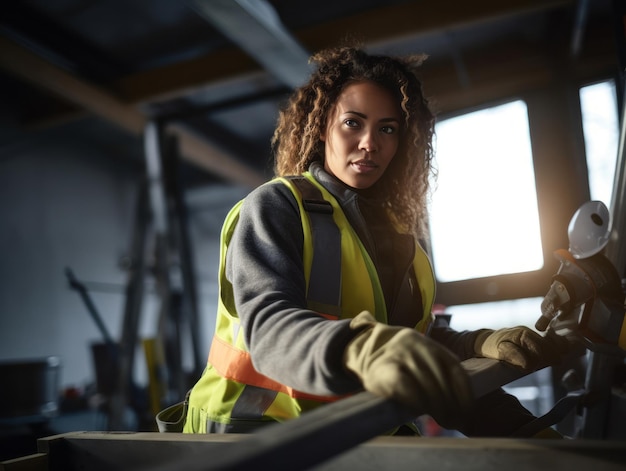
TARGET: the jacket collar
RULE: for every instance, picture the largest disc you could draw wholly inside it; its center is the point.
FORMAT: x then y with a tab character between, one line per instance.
345	194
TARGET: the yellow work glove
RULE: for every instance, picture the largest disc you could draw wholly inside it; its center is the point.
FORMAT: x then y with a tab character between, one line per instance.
400	363
520	346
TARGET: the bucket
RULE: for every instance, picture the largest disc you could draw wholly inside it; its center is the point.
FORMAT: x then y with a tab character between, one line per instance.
29	391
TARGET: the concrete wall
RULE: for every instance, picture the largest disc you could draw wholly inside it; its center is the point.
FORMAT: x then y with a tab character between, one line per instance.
68	198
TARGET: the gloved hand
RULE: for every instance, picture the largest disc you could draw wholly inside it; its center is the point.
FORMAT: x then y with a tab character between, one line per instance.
520	346
401	363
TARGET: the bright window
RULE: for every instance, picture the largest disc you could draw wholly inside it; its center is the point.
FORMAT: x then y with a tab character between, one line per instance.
483	214
600	126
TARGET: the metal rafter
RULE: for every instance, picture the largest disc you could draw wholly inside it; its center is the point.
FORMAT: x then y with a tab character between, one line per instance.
256	28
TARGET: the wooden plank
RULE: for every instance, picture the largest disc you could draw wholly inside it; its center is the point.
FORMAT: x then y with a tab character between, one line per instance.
34	462
149	451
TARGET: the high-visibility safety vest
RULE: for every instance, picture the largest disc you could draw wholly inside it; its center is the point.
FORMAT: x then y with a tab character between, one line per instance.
231	396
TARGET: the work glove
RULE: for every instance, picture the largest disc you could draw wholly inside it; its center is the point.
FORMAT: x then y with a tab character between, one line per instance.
520	346
402	364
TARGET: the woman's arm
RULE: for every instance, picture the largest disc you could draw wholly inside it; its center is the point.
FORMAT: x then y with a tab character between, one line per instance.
461	343
287	342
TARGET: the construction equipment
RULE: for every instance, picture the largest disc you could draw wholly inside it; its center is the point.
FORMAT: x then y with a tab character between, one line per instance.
586	301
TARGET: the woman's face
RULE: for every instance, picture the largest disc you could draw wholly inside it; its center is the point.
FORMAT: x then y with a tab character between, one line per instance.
362	134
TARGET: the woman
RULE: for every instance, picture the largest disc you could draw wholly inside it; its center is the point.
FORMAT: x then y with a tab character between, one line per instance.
324	288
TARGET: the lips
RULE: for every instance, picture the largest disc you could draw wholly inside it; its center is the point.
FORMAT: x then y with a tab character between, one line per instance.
364	165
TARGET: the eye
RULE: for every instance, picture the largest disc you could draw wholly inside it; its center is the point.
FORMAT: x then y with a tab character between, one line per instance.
388	130
351	123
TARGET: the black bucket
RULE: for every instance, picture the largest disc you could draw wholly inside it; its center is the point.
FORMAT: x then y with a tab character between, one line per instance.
29	391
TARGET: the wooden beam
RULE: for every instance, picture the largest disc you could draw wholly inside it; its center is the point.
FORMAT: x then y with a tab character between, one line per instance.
182	78
32	68
153	451
196	150
418	18
381	24
511	69
37	71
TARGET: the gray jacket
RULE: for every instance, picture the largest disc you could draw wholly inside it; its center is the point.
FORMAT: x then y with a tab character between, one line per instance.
288	342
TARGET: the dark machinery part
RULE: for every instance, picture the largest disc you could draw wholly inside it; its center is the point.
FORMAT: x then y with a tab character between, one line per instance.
586	296
586	302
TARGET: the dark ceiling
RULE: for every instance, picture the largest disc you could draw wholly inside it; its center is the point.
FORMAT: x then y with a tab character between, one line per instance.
214	72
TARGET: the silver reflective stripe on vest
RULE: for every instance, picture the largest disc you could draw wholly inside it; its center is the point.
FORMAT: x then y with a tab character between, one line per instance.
323	296
253	402
324	290
247	412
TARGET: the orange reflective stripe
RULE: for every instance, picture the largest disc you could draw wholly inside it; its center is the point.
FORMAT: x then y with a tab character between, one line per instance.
236	365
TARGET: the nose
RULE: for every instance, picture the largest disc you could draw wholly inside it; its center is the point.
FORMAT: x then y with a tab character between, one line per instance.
368	141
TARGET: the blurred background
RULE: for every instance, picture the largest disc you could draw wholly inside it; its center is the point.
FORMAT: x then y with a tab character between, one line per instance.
129	128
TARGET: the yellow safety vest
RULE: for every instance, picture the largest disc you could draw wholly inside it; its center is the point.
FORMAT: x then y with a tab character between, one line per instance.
231	395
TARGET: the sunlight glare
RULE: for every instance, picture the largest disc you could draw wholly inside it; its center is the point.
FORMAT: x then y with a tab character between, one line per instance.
483	213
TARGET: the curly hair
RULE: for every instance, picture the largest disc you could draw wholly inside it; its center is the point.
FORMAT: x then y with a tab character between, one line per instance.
296	142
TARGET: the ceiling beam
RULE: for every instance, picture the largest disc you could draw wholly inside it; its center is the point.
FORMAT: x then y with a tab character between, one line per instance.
256	28
413	18
418	18
29	67
490	68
